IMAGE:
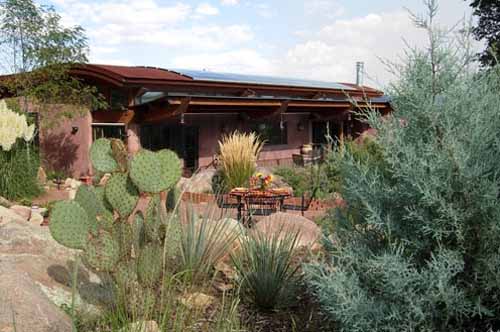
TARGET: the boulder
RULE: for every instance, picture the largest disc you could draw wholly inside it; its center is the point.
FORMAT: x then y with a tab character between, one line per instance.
36	218
35	279
7	215
197	301
286	223
23	211
5	202
200	182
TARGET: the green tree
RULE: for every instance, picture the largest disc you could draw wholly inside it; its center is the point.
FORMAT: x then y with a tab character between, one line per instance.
40	51
416	249
488	29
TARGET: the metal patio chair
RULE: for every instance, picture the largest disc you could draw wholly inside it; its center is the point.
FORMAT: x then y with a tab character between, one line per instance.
305	202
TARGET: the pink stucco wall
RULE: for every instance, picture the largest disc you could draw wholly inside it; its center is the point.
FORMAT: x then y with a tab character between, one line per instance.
62	148
212	127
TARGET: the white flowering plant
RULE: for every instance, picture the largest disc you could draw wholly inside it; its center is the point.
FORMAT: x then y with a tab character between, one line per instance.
13	126
18	164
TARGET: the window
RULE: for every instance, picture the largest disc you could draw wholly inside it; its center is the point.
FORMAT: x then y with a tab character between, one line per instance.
111	130
118	99
271	132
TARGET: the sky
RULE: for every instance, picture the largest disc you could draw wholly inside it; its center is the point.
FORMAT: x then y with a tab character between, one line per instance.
311	39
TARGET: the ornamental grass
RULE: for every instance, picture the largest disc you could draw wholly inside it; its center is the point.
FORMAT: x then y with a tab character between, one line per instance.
238	155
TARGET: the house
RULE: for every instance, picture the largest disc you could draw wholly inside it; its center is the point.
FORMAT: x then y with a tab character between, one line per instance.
188	111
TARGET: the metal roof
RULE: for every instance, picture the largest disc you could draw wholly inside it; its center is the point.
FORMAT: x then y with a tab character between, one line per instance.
258	79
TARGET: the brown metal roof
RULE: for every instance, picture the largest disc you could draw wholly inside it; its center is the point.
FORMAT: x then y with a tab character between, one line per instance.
142	72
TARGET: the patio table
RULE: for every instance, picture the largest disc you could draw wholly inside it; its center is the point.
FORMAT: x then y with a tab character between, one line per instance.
272	195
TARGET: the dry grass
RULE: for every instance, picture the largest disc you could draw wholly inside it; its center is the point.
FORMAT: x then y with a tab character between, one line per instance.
238	157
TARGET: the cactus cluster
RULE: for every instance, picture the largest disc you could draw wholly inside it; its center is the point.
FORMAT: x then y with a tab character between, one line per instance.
105	221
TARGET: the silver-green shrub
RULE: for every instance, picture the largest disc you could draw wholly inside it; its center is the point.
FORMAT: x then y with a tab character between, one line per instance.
417	248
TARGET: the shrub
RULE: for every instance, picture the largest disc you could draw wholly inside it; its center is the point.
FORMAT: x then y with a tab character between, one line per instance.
265	268
204	241
417	247
19	162
238	157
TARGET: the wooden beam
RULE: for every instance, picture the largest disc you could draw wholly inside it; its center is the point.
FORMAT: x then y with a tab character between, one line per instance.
269	113
113	116
159	113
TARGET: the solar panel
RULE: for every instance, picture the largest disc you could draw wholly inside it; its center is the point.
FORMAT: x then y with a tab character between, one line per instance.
257	79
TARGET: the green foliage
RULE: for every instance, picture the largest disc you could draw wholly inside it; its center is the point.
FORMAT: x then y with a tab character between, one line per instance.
205	241
163	164
121	194
69	224
18	172
149	264
417	247
40	50
266	273
102	252
101	155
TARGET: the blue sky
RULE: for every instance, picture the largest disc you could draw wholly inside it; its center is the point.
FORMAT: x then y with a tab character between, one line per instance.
316	39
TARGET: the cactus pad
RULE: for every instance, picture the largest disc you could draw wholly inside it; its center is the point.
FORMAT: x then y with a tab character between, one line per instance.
171	168
69	224
126	275
155	172
102	252
149	264
122	232
121	194
101	156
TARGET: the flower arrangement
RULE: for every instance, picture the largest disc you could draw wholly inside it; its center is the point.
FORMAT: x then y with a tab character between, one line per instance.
260	181
12	127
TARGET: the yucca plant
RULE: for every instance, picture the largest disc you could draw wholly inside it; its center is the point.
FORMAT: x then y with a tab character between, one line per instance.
266	272
205	240
238	155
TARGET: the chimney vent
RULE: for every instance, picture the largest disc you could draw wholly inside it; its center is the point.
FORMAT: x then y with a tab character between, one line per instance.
360	69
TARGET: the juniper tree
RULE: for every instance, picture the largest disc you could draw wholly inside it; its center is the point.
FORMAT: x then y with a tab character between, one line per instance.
417	248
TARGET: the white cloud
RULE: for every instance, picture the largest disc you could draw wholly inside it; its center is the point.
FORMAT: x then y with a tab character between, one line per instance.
206	9
236	61
326	8
230	2
331	53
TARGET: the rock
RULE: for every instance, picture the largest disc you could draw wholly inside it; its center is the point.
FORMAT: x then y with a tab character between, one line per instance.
197	301
142	326
7	215
5	202
23	211
36	218
200	182
41	176
227	271
287	223
72	183
35	278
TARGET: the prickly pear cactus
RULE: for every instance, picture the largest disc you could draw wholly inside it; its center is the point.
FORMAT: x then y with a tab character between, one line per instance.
171	168
69	224
101	156
102	252
121	194
149	264
125	275
155	172
87	198
123	233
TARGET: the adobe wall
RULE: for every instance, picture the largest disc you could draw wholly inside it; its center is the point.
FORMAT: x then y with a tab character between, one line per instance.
62	147
212	127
